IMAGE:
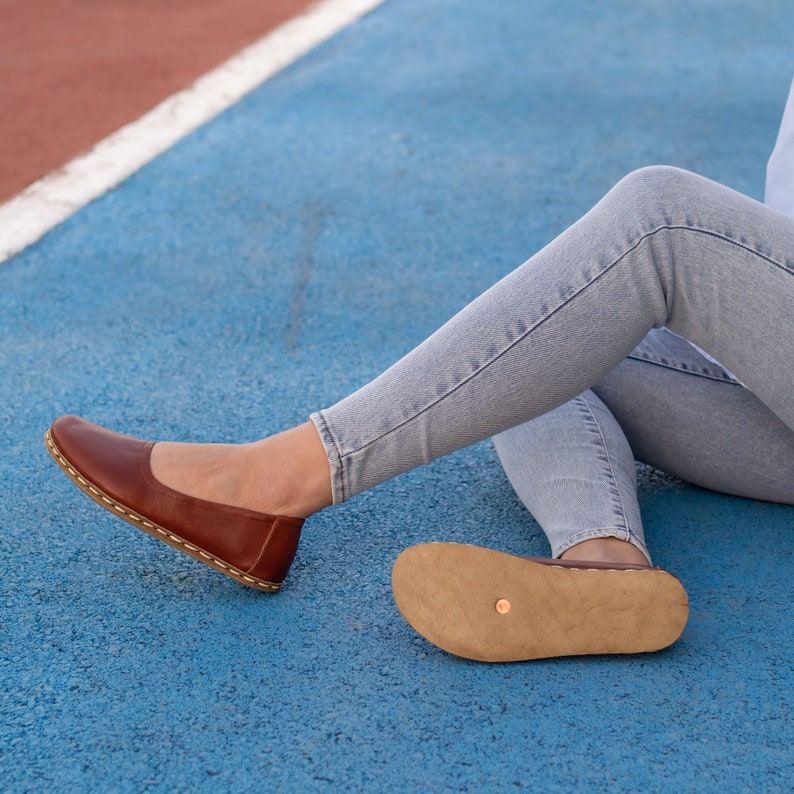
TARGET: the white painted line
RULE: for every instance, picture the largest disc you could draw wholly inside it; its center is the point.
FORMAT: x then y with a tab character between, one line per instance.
52	199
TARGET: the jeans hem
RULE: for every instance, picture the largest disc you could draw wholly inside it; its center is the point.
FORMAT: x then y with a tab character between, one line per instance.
332	453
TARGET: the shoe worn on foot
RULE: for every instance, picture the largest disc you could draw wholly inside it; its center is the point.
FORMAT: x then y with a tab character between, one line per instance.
495	607
254	548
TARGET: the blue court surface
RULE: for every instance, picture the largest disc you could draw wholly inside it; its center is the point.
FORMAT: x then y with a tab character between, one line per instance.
267	265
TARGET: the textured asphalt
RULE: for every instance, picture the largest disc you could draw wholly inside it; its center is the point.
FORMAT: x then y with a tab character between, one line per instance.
267	265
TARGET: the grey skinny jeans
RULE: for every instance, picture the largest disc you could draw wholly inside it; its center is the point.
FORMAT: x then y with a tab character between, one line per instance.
663	248
666	405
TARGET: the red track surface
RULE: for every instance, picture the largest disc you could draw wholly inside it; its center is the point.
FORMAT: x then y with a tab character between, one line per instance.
73	71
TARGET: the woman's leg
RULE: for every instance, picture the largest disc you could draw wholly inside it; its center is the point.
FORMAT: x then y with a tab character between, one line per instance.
575	472
663	247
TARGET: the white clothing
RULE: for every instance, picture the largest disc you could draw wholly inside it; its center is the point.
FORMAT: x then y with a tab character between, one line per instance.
780	168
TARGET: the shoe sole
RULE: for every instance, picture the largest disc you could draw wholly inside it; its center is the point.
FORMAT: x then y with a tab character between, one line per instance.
155	530
494	607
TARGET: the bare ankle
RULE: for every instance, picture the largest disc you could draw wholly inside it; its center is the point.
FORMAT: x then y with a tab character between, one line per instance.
295	471
605	550
286	474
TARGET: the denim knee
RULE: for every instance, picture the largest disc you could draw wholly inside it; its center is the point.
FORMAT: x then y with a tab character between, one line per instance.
654	190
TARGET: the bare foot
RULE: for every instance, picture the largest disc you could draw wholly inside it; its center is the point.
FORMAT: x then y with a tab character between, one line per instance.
285	474
605	550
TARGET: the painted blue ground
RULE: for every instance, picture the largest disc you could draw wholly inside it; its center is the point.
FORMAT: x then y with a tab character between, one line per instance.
267	265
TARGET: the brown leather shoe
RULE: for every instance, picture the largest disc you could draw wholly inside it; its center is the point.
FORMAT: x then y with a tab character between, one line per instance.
495	607
256	549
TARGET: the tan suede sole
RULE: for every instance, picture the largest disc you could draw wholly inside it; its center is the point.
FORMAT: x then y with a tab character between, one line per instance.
151	528
494	607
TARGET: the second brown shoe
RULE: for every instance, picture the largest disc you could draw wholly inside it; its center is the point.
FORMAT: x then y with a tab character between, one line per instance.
253	548
495	607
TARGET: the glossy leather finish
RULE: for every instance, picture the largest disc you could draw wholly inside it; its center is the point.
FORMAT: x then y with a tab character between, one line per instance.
254	548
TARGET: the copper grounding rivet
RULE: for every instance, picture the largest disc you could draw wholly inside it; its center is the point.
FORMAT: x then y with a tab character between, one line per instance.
502	606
